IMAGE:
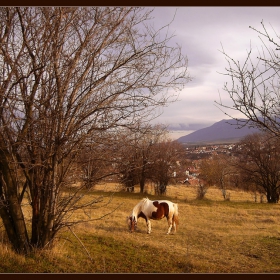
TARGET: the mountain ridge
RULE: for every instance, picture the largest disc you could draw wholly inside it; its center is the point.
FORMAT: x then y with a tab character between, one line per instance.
221	131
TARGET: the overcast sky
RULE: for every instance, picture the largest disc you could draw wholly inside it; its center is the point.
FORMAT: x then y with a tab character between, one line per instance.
201	31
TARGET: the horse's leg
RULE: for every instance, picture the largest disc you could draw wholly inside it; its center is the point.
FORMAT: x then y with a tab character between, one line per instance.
173	224
169	220
149	228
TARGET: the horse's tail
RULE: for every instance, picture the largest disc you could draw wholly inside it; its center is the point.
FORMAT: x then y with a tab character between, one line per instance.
176	215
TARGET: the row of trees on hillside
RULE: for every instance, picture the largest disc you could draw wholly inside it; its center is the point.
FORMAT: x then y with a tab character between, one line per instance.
150	158
253	166
133	157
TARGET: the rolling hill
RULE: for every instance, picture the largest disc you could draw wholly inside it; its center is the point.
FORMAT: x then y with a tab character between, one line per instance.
222	131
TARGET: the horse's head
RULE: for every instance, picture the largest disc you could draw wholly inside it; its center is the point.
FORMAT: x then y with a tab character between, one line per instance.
132	223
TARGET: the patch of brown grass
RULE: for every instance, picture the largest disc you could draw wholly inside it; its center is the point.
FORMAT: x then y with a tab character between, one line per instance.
214	236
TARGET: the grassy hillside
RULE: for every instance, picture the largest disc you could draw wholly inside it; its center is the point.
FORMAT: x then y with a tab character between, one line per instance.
214	236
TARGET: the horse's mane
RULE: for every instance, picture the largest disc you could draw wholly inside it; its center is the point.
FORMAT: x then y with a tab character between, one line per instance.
138	205
145	199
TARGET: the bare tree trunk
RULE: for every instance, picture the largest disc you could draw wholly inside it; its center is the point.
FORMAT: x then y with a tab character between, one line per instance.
10	207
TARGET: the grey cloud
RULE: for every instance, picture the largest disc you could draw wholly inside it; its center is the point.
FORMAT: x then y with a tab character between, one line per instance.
201	31
188	126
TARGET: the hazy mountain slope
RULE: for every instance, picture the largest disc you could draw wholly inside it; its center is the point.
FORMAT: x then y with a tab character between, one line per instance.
219	131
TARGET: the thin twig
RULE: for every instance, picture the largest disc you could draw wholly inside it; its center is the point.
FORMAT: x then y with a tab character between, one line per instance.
81	243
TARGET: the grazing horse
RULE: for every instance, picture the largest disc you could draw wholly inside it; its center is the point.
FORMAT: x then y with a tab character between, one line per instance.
154	210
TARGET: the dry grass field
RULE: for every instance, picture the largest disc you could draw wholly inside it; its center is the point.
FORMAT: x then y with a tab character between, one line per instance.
214	236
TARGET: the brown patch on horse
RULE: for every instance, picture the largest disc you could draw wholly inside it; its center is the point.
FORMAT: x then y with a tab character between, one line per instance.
162	210
156	204
142	215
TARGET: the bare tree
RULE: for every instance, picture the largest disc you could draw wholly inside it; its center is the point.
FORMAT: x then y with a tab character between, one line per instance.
254	85
216	171
130	158
136	154
201	189
95	162
147	155
259	164
167	156
69	76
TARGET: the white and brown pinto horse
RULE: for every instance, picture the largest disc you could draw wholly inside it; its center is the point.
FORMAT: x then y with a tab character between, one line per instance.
154	210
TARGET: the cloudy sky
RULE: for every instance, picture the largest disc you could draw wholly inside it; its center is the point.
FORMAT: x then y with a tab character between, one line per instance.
201	31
